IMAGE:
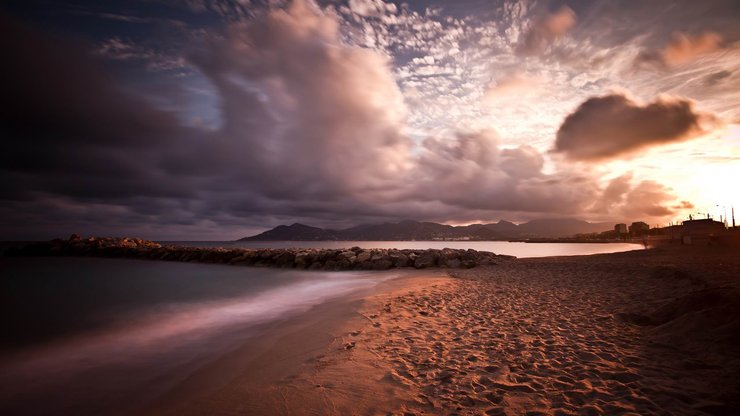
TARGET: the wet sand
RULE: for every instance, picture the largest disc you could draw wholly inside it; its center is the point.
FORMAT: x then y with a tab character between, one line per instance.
649	332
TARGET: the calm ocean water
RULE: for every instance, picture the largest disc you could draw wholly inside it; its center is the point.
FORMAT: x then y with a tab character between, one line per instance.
521	250
81	334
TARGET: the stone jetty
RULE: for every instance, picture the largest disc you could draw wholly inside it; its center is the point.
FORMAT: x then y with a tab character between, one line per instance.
354	258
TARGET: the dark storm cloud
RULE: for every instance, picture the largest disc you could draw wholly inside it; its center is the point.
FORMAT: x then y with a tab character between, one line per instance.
308	127
62	115
310	130
307	110
613	125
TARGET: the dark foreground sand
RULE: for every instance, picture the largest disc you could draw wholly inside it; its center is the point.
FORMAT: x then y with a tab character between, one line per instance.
644	332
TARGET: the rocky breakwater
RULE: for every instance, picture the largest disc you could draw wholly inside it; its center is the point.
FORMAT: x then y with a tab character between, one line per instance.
354	258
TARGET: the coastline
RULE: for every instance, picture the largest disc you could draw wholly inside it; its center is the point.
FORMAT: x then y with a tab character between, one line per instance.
639	332
308	364
645	332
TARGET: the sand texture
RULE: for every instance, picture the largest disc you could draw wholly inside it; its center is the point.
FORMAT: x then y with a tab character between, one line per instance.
647	332
654	332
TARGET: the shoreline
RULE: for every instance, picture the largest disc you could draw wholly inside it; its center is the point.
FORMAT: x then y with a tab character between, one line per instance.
297	365
645	332
640	332
261	355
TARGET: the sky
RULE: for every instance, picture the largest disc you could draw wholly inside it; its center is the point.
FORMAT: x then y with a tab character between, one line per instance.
217	119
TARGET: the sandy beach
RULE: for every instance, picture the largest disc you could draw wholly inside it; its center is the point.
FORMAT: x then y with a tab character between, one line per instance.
643	332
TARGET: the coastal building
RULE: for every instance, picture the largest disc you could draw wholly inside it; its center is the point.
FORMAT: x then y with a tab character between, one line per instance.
673	233
638	228
621	229
702	232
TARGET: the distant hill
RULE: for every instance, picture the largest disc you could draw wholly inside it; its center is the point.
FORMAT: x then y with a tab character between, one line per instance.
294	232
415	230
562	227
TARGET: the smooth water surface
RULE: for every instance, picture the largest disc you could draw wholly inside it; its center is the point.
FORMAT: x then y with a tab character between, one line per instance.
521	250
81	334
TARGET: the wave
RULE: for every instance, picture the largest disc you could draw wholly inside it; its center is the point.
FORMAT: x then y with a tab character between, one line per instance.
173	335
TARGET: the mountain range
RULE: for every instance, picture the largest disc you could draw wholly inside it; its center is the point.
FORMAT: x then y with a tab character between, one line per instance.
415	230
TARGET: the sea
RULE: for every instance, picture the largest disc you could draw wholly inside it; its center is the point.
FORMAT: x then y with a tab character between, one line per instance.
517	249
91	335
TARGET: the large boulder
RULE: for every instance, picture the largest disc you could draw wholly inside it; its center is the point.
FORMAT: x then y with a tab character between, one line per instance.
382	263
284	259
303	259
453	263
347	254
399	259
364	256
426	259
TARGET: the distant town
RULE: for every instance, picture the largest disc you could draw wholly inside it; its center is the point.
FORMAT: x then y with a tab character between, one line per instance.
704	231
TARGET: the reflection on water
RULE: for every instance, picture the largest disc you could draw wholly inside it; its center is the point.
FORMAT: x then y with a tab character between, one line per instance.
520	250
106	330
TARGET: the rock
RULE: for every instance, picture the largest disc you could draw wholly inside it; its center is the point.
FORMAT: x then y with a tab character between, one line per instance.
284	259
427	259
238	258
380	255
364	256
343	264
382	264
453	263
398	258
468	264
303	260
365	265
355	258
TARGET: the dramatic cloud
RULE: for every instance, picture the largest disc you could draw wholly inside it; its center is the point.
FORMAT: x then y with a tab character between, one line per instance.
615	124
330	115
649	198
546	30
472	171
646	199
352	113
73	126
683	48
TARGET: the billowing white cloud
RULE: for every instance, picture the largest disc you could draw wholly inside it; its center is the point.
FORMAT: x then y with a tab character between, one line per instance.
325	109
